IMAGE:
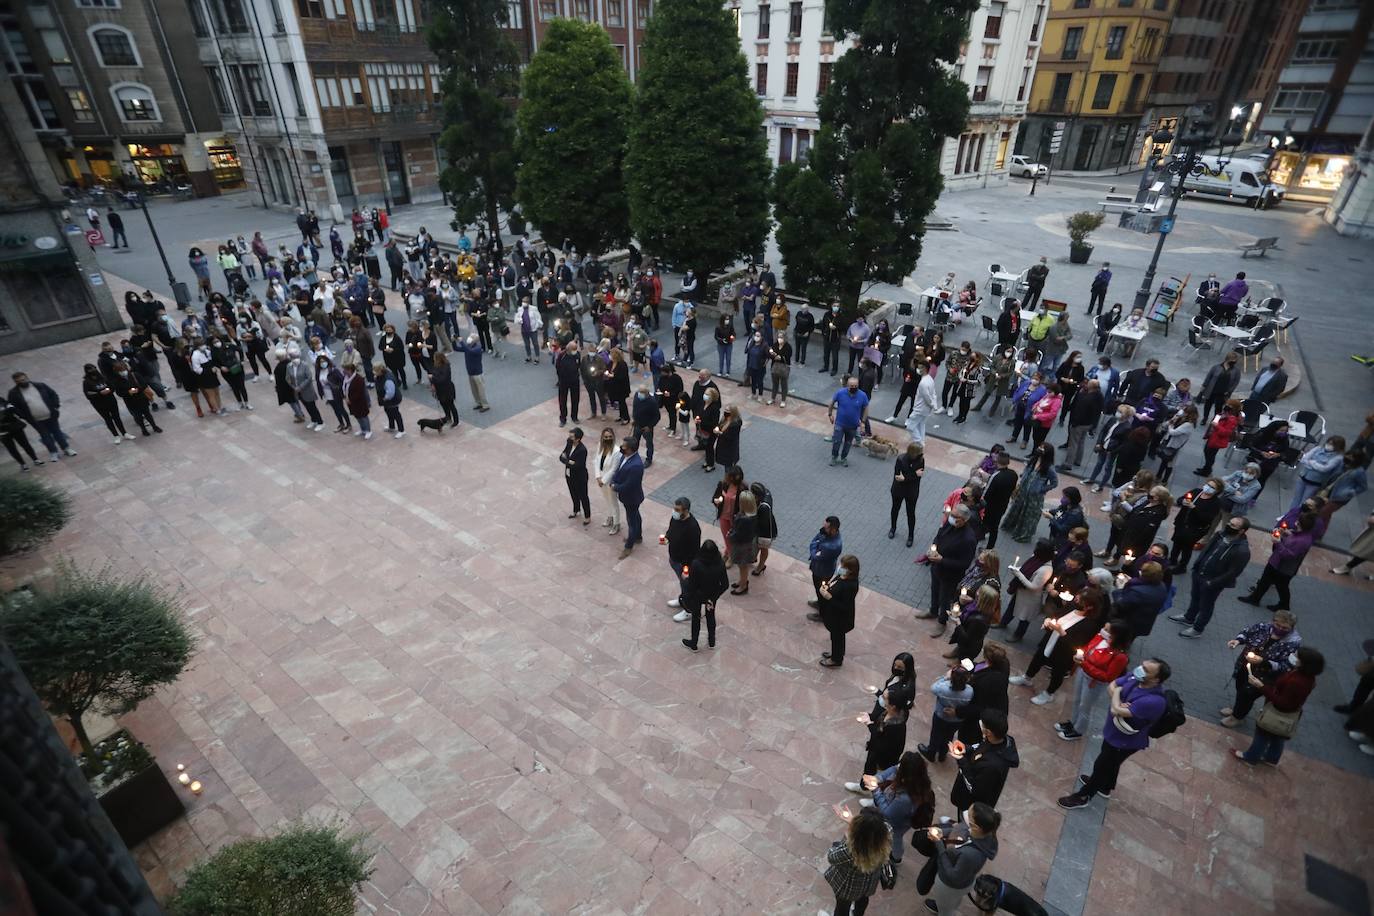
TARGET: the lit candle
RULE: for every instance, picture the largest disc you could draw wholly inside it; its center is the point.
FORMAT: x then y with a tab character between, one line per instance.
184	779
859	719
180	767
932	548
196	787
871	688
1016	562
1066	596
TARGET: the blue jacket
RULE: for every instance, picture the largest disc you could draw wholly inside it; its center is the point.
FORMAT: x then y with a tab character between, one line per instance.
628	482
825	553
472	356
656	359
679	314
1106	381
896	808
644	411
1349	484
1031	397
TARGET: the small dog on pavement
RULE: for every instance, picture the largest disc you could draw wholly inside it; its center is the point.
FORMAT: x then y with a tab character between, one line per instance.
878	447
436	425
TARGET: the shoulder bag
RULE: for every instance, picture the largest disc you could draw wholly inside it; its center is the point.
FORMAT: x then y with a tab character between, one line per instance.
1277	722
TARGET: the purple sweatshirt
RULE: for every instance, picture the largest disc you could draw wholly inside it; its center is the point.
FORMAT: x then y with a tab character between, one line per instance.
1147	705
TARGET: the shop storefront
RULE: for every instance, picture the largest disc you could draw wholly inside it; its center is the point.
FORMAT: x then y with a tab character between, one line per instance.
158	164
1309	176
224	163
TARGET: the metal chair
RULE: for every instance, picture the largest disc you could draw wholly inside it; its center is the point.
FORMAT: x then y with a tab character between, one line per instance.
1255	346
1199	332
1315	423
1283	324
1251	409
1247	322
1272	304
989	327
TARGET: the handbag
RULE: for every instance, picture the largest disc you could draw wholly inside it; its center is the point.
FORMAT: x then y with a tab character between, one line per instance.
887	876
1277	722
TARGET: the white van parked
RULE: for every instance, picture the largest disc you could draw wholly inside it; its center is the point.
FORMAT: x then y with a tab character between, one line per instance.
1245	180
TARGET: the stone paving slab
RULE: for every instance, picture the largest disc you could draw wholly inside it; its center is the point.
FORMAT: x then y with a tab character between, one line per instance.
411	637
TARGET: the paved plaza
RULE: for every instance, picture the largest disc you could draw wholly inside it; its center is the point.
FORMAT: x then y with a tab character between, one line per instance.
411	638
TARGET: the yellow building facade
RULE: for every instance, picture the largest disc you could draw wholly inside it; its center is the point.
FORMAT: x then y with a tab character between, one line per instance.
1096	70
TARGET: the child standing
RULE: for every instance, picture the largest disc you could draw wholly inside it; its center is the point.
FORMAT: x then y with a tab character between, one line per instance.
684	418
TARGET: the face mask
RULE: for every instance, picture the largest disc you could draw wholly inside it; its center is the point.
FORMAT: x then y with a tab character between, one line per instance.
1140	673
680	515
1209	490
835	309
1293	659
898	672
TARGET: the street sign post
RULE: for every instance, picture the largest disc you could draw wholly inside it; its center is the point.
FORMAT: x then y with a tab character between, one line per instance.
95	237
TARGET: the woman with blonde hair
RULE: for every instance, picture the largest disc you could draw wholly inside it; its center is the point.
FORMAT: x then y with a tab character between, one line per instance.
855	861
608	458
744	539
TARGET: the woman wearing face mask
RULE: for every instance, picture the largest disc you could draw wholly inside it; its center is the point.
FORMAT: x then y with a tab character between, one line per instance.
1139	524
207	377
329	384
1104	323
780	367
1174	436
1240	489
744	539
1000	375
1283	702
970	377
102	397
708	422
301	376
1109	444
1039	478
393	350
727	436
958	359
755	361
1063	635
1027	586
1067	516
608	460
1069	376
1267	651
1044	412
911	379
725	342
1101	661
228	354
886	732
574	461
1196	517
726	501
837	608
989	682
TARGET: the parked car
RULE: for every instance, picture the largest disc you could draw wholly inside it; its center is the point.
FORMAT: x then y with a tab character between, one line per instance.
1022	167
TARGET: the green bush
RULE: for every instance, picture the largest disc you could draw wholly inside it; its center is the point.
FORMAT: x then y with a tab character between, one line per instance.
307	870
30	513
1083	224
96	641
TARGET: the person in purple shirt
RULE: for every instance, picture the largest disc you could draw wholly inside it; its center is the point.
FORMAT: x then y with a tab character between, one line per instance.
1137	702
1231	295
858	335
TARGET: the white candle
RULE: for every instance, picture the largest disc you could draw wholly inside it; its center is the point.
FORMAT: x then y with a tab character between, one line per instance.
1016	562
196	787
184	779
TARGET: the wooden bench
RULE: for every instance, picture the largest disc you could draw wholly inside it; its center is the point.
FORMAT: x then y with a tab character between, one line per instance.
1260	245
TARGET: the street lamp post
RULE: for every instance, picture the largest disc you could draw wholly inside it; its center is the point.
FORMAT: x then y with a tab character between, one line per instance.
179	291
1187	161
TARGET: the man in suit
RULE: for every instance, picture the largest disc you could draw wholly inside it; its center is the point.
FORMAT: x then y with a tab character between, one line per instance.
997	496
628	484
1270	382
950	556
567	368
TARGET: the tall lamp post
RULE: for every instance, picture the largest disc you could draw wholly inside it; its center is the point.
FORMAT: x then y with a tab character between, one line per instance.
180	293
1188	150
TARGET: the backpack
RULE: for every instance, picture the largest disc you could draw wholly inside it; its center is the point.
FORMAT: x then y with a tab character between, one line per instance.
1173	716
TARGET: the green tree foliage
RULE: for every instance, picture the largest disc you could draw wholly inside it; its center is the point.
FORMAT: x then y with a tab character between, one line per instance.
697	164
303	871
481	78
855	211
574	108
96	641
30	513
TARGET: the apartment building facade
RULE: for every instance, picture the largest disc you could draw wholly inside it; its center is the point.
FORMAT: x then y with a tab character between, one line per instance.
113	96
1319	112
791	53
624	20
1093	81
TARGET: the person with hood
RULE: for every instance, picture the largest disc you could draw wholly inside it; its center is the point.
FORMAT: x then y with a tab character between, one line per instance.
358	401
389	396
983	765
131	387
301	377
959	853
99	392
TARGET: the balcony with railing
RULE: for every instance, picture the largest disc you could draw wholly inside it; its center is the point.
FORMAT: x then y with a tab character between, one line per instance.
1055	105
359	120
342	37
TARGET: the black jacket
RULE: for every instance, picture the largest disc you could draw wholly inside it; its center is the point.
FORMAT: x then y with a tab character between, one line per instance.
1222	560
727	444
1141	525
983	773
886	741
699	396
566	368
574	458
703	583
910	485
989	692
1087	408
669	390
684	540
999	491
837	611
441	377
644	412
956	547
21	407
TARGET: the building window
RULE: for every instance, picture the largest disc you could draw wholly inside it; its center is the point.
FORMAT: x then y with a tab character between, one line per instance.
1025	81
959	154
980	84
114	46
515	14
217	90
98	4
582	9
993	27
765	15
1002	144
547	9
823	78
642	13
803	145
1106	85
794	19
1035	26
785	145
135	102
1073	40
615	13
295	83
1321	49
1080	4
1125	2
1059	95
761	78
1116	42
1133	93
310	9
250	89
1297	101
1161	4
793	74
81	106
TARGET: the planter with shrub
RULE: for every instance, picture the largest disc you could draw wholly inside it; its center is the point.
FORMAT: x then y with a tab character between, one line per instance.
307	870
1081	225
96	642
30	513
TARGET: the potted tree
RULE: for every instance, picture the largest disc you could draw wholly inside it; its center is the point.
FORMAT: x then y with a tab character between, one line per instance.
96	642
1081	225
30	513
306	870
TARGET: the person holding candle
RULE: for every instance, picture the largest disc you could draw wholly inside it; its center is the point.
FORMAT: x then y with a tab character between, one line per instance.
977	613
902	794
702	585
825	549
1039	478
958	854
1141	523
951	692
899	691
1217	568
683	539
984	763
997	495
1267	651
1100	662
1141	599
1122	500
1283	702
989	682
1028	587
1197	513
1066	517
1289	549
1063	636
837	608
949	557
854	863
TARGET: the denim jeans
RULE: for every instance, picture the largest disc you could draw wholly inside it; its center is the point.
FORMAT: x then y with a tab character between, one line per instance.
1088	694
724	351
841	440
633	524
1201	602
51	435
1102	470
1266	747
531	339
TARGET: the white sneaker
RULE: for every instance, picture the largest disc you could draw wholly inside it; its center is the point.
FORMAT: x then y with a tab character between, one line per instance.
682	617
367	435
854	787
1042	698
891	419
1341	570
1367	749
118	439
1020	680
782	403
399	435
313	428
358	432
247	406
674	603
129	437
1361	737
865	803
938	411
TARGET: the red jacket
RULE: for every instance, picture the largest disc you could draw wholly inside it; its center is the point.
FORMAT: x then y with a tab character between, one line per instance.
1222	429
1290	691
1101	662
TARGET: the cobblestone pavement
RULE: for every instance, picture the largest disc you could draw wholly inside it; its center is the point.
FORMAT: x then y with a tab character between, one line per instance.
411	637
